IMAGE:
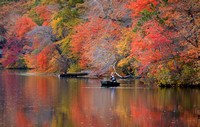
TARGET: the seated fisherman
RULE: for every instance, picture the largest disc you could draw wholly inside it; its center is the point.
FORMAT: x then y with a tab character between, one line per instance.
112	77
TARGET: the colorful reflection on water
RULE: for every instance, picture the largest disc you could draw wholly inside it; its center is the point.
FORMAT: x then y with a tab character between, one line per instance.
28	100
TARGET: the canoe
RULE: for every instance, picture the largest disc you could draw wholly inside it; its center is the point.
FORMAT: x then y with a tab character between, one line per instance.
109	84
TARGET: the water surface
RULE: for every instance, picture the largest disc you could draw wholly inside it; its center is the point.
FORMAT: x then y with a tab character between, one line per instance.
30	100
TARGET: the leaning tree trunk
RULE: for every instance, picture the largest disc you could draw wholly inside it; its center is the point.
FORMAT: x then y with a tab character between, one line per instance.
122	77
66	62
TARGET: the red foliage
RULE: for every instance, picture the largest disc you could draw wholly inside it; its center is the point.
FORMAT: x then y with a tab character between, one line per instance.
44	13
24	25
42	59
156	46
140	5
11	51
90	36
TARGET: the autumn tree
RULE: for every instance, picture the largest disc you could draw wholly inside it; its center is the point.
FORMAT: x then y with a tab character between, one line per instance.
125	59
44	54
96	47
10	15
183	17
96	38
141	5
38	54
15	41
64	21
11	11
184	20
24	25
153	48
50	49
12	52
159	48
42	15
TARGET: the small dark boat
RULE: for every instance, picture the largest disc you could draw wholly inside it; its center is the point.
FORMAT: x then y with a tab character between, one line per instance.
109	84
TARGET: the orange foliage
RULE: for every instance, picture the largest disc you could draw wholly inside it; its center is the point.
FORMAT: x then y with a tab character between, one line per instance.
10	11
24	25
94	36
173	1
44	13
183	17
190	54
141	5
41	60
154	47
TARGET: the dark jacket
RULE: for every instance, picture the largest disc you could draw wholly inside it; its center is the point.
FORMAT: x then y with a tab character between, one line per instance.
112	78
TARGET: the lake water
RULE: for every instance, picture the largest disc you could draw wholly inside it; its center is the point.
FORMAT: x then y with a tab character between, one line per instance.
29	100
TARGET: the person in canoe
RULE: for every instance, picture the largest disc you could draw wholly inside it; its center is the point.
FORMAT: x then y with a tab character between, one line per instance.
112	78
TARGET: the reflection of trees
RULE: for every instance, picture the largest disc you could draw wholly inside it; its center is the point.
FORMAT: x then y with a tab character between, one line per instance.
67	92
22	120
94	107
133	107
41	95
46	101
27	100
165	107
10	93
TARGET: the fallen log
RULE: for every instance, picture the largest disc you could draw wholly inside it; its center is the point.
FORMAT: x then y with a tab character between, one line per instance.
69	75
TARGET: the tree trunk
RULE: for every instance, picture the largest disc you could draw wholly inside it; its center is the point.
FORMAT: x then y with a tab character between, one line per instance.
122	77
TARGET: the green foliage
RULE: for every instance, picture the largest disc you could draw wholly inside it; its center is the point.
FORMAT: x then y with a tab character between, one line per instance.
64	21
36	17
188	74
165	1
65	45
45	2
4	2
170	77
74	68
126	69
66	14
20	63
165	77
74	2
8	0
36	3
149	15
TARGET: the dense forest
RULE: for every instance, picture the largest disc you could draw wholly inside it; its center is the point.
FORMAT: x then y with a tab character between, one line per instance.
154	39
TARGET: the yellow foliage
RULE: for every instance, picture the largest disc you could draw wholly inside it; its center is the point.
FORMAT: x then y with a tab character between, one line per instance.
124	44
56	29
60	27
125	61
124	47
52	1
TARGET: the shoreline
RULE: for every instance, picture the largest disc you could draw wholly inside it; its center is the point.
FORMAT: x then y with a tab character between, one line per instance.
87	75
